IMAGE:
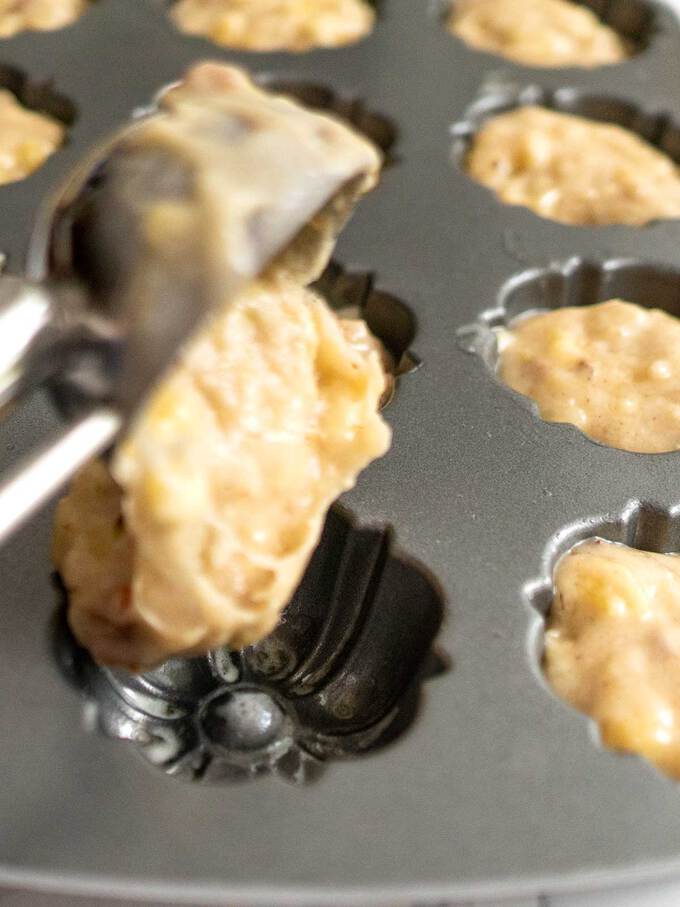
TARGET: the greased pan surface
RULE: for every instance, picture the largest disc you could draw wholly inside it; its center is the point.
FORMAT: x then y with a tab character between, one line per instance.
497	787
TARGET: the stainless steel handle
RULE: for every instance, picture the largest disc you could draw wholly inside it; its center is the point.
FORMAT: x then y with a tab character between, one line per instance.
33	482
37	323
39	326
25	317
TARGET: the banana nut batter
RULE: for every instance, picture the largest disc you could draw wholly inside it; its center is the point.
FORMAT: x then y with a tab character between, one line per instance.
268	25
574	170
215	501
27	138
537	32
612	647
611	369
38	15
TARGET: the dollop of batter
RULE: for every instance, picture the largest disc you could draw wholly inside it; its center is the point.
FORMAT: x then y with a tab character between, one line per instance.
269	25
224	483
612	647
574	170
216	499
27	139
537	32
38	15
611	369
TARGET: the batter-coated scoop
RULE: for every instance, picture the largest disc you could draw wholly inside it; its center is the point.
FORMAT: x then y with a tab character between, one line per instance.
153	231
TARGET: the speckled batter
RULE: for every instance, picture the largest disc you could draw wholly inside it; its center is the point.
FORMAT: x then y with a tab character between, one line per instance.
612	369
574	170
227	478
27	139
612	647
218	495
38	15
267	25
537	32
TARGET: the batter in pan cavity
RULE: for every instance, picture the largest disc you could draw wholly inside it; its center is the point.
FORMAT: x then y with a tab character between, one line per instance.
269	25
611	369
27	139
38	15
612	647
574	170
537	32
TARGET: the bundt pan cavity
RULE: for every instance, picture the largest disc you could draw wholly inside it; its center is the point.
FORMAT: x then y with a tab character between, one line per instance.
340	675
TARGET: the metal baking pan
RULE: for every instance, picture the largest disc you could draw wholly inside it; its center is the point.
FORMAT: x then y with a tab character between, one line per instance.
484	783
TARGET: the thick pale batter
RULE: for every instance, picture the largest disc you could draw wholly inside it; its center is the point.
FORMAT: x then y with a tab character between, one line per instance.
537	32
227	478
27	139
612	648
611	369
574	170
38	15
219	493
268	25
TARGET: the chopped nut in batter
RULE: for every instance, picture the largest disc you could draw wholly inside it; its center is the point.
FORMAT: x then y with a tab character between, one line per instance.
27	139
612	647
537	32
38	15
268	25
574	170
612	369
